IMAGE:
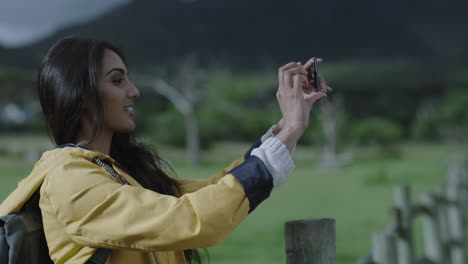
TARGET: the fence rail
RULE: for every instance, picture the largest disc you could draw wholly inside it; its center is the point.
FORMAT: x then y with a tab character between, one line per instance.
443	212
444	215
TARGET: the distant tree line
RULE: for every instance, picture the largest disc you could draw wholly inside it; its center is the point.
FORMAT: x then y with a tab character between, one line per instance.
381	103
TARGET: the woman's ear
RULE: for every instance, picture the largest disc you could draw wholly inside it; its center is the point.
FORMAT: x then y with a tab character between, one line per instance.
87	110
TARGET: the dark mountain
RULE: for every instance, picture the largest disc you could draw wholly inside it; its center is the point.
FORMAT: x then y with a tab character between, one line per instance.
248	33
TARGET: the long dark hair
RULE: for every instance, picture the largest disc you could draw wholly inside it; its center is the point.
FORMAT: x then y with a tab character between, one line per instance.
67	81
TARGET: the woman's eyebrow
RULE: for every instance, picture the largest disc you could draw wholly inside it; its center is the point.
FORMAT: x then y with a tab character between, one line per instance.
122	71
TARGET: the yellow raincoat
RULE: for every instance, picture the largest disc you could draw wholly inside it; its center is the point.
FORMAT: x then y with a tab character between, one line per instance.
83	208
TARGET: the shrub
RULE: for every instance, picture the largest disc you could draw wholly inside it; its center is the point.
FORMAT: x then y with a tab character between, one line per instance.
376	131
426	122
442	118
167	128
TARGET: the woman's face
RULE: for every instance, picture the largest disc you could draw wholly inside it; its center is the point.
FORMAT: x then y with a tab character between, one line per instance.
117	94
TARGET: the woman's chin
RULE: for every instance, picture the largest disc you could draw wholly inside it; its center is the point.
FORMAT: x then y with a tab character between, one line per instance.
127	129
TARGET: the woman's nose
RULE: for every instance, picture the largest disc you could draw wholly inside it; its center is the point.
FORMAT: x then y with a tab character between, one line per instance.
134	92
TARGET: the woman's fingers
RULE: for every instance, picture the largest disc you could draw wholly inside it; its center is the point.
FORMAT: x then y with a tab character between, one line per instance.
292	95
298	83
314	97
310	63
323	85
282	70
290	73
308	67
294	83
306	86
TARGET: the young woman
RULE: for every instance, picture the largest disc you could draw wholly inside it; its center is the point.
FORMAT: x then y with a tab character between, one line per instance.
100	188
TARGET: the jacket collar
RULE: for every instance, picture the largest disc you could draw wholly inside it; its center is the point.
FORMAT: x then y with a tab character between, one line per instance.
86	152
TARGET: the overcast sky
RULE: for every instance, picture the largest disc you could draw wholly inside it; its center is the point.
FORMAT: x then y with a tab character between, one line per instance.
25	21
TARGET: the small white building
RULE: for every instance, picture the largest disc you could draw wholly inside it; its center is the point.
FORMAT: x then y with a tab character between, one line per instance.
12	113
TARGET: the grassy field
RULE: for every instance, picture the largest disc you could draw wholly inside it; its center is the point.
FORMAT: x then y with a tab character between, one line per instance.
357	196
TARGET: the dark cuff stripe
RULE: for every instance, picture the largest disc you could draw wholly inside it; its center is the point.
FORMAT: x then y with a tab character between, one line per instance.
255	145
257	181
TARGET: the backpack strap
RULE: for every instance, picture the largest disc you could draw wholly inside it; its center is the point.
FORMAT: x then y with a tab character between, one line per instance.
32	205
100	256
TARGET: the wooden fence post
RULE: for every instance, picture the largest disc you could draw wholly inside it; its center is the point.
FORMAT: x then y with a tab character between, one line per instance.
432	243
442	221
384	248
311	241
366	260
402	200
463	197
454	215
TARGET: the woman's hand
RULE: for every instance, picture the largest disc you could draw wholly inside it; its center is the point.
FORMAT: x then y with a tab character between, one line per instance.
296	100
307	87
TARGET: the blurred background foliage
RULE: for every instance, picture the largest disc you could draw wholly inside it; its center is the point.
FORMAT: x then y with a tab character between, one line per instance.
400	71
400	100
384	104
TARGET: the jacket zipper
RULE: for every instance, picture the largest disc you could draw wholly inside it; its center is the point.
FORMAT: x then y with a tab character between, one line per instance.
121	180
155	256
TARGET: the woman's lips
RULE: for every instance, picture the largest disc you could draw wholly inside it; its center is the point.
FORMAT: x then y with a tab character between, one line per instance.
129	109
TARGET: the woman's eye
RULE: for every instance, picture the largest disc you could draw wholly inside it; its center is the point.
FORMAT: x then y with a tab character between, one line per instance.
117	81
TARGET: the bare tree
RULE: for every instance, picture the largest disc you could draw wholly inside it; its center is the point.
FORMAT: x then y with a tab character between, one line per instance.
186	91
333	117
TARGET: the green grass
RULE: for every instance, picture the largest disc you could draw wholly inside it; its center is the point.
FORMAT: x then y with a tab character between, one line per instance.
357	196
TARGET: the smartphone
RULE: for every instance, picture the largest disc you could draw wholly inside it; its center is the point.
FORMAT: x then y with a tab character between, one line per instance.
313	75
